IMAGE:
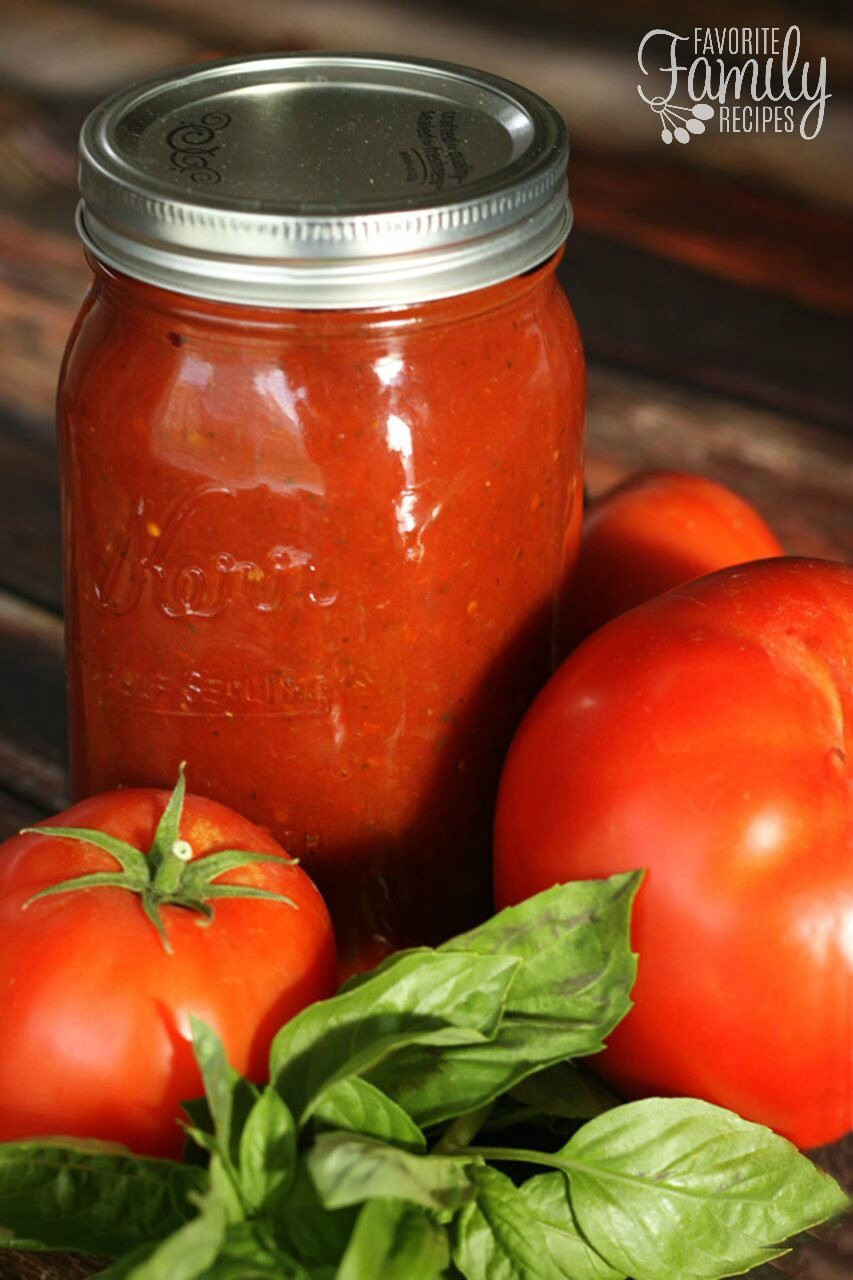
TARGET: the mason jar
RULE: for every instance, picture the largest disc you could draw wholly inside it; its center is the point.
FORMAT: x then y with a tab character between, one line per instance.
321	429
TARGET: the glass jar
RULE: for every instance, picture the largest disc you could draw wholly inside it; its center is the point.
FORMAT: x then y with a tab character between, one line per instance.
318	526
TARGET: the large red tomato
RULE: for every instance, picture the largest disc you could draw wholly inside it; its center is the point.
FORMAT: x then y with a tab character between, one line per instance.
654	531
95	998
707	737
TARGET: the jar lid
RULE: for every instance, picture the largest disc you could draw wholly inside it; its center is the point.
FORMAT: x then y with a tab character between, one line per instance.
324	180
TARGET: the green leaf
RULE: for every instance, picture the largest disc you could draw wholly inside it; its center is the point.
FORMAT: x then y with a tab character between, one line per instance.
574	1257
125	1265
358	1107
61	1195
577	970
267	1154
497	1238
395	1241
349	1169
245	1256
201	1128
224	1188
189	1253
417	997
563	1090
674	1187
242	1256
307	1228
216	1076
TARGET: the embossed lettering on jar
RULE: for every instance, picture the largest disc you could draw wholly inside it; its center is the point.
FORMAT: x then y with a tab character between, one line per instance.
317	546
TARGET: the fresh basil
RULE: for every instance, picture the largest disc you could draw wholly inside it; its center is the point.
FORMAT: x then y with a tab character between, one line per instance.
216	1076
349	1169
574	1257
675	1187
496	1237
394	1240
420	997
190	1252
307	1228
337	1170
355	1105
82	1197
573	986
267	1155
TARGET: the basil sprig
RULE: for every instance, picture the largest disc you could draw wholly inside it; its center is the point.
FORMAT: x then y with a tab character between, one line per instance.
394	1139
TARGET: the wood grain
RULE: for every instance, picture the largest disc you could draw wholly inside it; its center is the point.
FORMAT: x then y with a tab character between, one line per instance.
645	312
729	230
30	559
32	704
798	475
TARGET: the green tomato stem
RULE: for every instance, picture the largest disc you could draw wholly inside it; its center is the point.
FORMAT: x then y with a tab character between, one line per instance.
170	875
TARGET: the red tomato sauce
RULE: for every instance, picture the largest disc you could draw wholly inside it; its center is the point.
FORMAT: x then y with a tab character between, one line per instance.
320	556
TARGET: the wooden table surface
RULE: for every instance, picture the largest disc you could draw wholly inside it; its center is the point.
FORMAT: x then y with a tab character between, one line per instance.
713	289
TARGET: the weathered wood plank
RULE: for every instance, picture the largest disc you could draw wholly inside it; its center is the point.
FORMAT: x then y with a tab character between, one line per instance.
30	562
45	1266
644	312
730	230
32	704
799	476
43	278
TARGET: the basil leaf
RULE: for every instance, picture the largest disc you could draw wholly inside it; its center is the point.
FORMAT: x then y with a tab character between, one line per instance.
496	1237
216	1075
358	1107
418	997
563	1090
574	1258
307	1228
201	1128
675	1187
577	970
349	1169
267	1154
220	1116
242	1255
125	1265
395	1241
245	1256
190	1252
59	1195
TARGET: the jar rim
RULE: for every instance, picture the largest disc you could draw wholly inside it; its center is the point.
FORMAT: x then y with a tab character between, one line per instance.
324	181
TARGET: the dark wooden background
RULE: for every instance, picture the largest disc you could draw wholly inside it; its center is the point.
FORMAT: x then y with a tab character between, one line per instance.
712	283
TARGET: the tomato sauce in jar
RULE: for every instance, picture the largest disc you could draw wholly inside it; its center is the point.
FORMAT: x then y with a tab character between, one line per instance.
321	431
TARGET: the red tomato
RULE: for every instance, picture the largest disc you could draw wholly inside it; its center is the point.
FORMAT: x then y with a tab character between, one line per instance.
95	1010
654	531
707	736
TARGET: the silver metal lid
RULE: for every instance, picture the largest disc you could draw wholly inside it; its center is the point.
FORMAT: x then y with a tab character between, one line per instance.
324	180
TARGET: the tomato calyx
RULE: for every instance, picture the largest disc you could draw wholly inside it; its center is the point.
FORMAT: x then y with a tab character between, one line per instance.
169	875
